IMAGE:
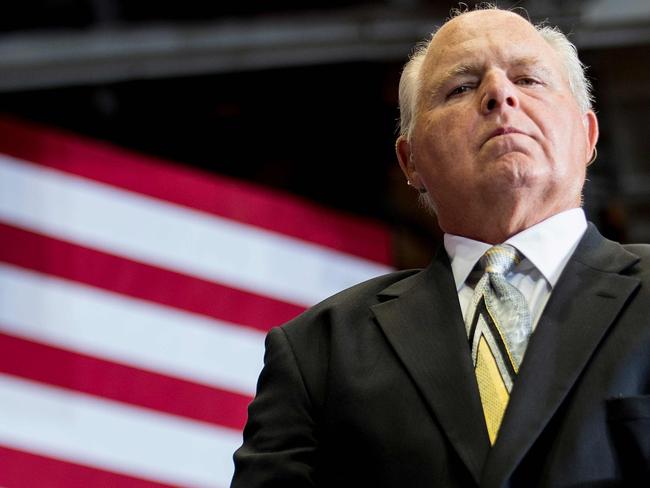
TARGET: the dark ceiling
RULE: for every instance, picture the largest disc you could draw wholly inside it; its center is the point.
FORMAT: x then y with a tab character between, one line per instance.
301	98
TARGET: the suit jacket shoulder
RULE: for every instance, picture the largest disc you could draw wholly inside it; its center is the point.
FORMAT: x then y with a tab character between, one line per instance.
356	298
346	314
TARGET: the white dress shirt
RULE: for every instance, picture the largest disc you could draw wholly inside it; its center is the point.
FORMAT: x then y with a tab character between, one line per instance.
546	246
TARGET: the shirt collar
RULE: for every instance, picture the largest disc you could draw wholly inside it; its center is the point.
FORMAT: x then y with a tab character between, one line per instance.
548	245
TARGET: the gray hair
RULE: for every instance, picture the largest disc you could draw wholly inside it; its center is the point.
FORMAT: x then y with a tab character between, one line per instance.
409	84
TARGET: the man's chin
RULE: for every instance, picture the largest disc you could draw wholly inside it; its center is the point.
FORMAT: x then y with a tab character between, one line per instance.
513	173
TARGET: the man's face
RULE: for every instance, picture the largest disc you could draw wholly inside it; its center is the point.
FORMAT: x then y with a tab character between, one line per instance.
496	121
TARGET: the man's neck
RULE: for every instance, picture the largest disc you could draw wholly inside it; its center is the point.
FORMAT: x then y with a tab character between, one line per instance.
496	225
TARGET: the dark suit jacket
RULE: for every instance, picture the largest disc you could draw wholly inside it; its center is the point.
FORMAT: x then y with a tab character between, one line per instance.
374	387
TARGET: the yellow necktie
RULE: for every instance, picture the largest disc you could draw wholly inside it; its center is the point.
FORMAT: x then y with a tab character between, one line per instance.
498	327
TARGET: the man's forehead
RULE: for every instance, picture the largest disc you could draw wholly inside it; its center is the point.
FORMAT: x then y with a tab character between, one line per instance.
474	23
468	37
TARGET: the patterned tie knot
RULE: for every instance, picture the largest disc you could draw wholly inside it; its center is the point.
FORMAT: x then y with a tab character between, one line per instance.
500	259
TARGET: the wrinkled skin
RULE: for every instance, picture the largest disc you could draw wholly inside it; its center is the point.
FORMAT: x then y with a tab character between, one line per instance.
499	142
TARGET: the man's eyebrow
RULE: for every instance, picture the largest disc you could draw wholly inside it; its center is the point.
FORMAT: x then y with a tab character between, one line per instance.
531	62
463	69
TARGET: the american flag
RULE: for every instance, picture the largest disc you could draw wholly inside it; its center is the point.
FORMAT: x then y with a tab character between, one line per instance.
135	295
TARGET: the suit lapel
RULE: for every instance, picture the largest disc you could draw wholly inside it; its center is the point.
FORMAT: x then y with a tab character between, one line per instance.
584	304
423	322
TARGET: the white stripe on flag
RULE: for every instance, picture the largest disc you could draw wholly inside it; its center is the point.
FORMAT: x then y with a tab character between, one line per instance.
174	237
112	436
130	331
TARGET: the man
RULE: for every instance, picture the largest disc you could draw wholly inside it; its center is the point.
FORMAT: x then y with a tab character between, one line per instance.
525	364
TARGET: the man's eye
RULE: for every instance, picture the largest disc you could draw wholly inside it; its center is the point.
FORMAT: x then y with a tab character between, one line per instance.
527	81
459	90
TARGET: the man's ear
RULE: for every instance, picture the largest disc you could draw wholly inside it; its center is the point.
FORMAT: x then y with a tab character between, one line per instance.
405	158
591	126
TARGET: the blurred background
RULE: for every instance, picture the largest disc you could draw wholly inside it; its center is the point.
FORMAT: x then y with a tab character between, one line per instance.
239	137
301	96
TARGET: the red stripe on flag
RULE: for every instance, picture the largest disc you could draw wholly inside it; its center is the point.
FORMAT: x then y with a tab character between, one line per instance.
19	469
86	374
70	261
221	196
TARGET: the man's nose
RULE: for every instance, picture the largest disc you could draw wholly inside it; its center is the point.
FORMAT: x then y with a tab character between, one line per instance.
499	94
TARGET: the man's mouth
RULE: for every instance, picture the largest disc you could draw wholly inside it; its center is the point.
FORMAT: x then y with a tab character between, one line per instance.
501	131
505	130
